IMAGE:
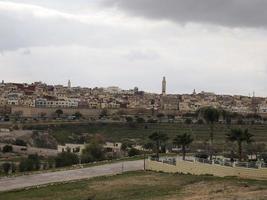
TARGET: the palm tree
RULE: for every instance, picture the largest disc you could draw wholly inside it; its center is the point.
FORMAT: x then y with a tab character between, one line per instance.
211	116
238	135
183	140
158	138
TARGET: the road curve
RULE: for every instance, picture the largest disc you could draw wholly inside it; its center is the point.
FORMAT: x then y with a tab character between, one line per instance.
12	183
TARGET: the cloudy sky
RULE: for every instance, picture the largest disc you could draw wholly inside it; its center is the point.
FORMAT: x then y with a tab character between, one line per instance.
212	45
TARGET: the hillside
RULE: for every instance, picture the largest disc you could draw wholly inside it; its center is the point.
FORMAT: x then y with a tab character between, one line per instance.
120	131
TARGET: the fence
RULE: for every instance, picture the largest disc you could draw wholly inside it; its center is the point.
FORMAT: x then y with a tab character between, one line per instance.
172	161
255	170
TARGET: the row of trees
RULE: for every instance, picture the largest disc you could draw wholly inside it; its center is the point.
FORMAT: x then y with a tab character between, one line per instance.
160	140
34	162
237	136
211	116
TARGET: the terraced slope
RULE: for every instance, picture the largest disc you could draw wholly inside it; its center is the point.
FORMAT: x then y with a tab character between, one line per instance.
121	131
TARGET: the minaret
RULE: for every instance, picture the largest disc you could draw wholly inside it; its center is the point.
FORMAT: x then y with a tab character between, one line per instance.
69	84
164	86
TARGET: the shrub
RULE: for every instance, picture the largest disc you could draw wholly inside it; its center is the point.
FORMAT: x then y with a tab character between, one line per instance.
129	119
87	158
6	167
188	121
151	121
140	120
133	152
15	127
124	147
202	155
78	115
171	116
93	152
104	113
148	145
7	148
200	121
26	165
20	142
240	121
51	162
66	159
31	163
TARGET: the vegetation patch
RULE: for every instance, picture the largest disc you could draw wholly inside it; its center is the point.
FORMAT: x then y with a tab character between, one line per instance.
144	186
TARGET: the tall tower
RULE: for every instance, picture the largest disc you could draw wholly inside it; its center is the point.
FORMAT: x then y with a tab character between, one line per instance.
164	86
69	84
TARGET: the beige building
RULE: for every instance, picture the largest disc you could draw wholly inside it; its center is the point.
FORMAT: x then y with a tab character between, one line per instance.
72	148
114	147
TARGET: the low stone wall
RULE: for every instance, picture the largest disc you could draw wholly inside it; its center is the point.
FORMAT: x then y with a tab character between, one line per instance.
198	168
87	112
35	112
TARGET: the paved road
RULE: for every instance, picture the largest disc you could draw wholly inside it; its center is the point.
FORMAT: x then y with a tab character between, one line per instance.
68	175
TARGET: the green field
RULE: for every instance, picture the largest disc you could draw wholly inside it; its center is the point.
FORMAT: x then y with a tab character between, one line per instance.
121	131
146	186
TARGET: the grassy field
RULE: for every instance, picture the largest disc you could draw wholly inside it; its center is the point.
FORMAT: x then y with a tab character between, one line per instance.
120	131
146	186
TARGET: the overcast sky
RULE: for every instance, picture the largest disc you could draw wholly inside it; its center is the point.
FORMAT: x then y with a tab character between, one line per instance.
212	45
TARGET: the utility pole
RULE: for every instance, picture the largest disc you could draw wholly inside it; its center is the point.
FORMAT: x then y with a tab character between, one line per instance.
144	160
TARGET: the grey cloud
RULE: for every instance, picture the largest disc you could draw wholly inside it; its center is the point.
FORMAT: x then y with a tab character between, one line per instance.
135	55
26	52
21	29
230	13
58	4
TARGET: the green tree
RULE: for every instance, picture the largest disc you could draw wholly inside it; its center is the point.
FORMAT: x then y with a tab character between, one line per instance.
227	116
140	120
148	145
104	113
78	115
133	152
184	141
129	119
66	159
188	121
211	116
6	167
7	149
93	152
124	147
31	163
59	112
239	136
158	138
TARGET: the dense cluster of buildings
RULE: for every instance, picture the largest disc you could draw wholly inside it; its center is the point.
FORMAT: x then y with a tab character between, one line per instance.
41	95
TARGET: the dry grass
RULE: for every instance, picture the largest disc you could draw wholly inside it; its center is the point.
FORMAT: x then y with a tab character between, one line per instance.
147	186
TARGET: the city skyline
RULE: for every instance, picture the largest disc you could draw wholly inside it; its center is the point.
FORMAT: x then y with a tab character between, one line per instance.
162	90
217	47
